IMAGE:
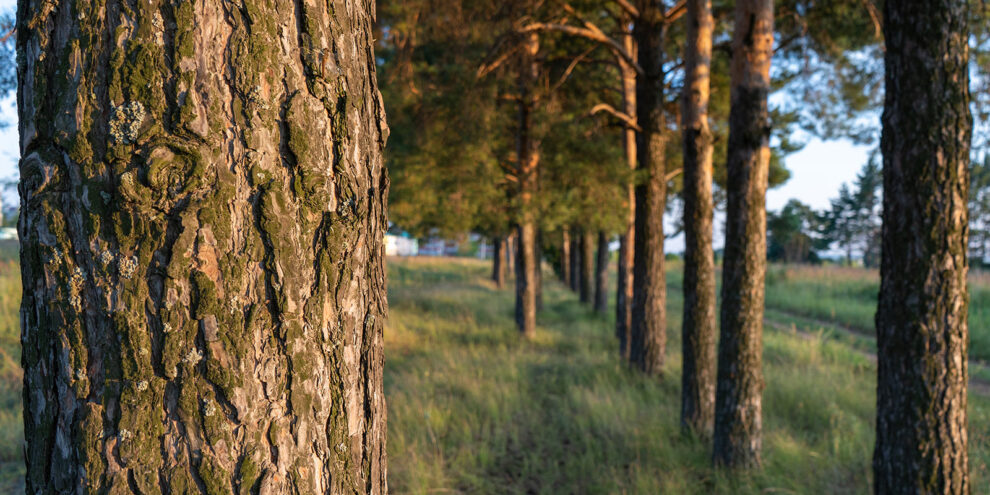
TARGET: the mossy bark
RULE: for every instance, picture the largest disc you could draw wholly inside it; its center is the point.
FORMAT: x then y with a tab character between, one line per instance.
202	222
587	266
648	337
922	328
624	285
739	390
601	275
698	322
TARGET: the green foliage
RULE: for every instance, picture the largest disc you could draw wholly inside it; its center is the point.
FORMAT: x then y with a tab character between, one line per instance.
853	222
791	232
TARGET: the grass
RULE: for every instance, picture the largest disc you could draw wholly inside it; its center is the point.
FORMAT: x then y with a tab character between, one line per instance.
475	409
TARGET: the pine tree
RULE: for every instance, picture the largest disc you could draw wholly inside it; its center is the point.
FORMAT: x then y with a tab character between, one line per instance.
201	248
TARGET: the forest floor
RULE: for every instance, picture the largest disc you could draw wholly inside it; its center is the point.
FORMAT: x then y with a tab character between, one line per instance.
472	408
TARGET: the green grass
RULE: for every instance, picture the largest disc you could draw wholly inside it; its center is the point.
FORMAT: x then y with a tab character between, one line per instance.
474	409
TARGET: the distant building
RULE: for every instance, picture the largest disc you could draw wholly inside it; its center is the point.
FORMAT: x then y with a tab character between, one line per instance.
401	245
8	233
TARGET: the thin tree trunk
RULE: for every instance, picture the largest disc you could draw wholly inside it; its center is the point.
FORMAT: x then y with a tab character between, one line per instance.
204	296
498	262
649	338
922	328
587	266
565	258
601	275
529	159
539	270
576	261
511	246
698	323
738	403
624	287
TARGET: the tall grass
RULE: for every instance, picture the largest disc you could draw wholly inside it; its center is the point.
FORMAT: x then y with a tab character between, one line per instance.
475	409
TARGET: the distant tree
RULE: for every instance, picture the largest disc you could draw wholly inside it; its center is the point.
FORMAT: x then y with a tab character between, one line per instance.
8	65
979	211
853	221
921	320
738	430
793	234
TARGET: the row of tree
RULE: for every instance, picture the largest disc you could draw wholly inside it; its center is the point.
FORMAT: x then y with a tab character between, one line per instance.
551	121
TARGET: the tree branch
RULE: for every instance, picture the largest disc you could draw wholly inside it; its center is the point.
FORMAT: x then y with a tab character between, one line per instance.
623	117
592	34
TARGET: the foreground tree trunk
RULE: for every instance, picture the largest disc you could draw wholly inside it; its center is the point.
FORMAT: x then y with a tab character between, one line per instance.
922	328
498	262
649	338
738	403
601	275
565	258
201	248
698	323
587	266
529	159
624	287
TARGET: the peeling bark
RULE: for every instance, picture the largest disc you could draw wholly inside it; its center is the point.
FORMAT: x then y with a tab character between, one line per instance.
203	212
739	390
922	328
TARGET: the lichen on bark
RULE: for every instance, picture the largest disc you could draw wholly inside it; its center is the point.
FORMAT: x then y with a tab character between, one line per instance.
202	223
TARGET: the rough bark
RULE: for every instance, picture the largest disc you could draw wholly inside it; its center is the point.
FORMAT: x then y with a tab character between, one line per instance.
498	261
624	287
922	328
203	211
738	403
698	323
649	338
565	258
527	149
601	275
587	266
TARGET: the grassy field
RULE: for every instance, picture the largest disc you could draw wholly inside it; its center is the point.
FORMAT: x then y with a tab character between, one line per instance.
474	409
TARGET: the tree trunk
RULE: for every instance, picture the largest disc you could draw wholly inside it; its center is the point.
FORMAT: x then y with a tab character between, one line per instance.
587	266
529	159
539	270
498	262
565	258
624	287
922	328
601	275
204	294
649	338
738	403
511	246
698	324
576	262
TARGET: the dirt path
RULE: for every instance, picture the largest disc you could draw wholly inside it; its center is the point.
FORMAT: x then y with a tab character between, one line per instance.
977	384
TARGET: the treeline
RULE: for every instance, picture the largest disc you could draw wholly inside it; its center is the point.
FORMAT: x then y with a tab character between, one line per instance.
554	126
